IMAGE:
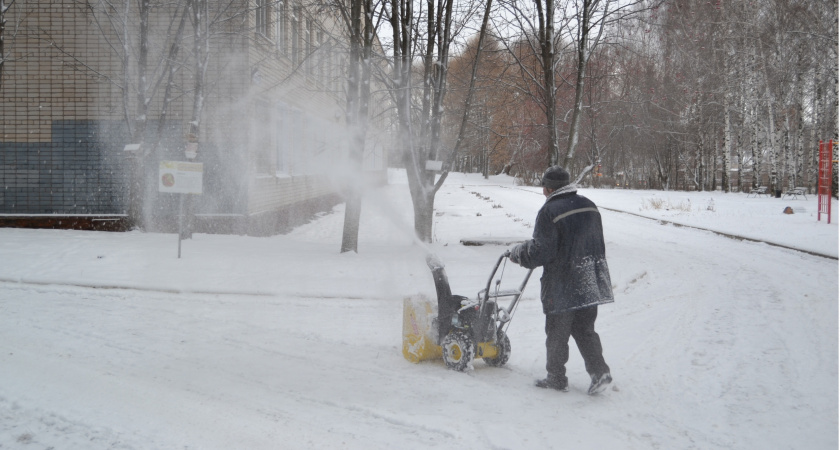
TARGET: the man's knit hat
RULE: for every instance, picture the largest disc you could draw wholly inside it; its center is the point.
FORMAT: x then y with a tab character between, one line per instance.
555	177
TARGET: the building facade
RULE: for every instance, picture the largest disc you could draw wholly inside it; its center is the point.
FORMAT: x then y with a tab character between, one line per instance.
95	94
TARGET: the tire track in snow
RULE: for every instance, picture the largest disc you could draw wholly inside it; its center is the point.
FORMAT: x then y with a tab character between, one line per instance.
677	224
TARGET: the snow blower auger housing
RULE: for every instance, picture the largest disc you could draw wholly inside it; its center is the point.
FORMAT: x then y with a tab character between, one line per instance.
461	329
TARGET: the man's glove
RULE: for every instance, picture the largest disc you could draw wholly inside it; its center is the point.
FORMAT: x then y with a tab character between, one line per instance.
513	254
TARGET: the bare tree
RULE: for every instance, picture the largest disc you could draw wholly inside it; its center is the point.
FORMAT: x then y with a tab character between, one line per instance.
420	125
583	26
537	40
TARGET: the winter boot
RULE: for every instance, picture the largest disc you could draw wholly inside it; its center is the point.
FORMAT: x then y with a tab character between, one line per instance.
552	383
599	383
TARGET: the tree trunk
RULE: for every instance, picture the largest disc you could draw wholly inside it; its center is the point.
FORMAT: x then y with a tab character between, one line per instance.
813	153
756	166
200	18
471	89
800	149
142	73
402	26
136	169
358	101
352	191
774	157
424	207
547	60
699	158
787	157
140	119
583	41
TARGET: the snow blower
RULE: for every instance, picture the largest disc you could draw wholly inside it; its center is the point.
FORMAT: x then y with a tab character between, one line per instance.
460	329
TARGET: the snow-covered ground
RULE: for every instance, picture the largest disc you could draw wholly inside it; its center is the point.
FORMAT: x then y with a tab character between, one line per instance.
107	340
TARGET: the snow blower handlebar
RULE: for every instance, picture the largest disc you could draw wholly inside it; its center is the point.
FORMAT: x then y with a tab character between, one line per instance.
507	293
505	313
486	290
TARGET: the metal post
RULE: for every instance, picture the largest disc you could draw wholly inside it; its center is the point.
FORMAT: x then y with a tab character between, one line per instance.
180	221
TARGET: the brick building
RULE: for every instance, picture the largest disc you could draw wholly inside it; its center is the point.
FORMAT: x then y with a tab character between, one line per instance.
271	133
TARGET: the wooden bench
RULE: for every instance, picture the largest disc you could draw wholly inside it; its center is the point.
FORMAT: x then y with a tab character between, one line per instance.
795	192
761	190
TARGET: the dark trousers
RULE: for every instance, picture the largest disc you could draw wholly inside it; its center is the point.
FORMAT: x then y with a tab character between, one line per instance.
580	324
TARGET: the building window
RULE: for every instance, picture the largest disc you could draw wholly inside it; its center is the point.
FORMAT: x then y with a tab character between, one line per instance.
291	142
341	78
295	22
263	137
326	64
263	18
335	67
310	46
284	140
321	53
280	26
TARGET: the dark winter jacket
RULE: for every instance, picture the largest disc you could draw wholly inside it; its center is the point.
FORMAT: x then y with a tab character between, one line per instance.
569	243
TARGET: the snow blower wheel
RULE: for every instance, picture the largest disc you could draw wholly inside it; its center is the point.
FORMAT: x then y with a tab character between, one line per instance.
458	351
503	344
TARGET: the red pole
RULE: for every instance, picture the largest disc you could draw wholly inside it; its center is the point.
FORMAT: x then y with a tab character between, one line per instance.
824	180
828	155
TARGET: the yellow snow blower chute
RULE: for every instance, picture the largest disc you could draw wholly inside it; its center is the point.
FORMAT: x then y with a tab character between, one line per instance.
457	328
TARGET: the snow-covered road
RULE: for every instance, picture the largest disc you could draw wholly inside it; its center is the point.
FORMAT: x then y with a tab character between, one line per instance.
713	343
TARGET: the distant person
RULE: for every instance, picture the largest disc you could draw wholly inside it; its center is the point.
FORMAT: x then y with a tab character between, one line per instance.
569	243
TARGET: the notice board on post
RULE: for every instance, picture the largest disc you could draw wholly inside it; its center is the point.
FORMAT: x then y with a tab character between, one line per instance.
179	177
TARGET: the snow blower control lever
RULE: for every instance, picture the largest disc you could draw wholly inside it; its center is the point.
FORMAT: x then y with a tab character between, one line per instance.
466	329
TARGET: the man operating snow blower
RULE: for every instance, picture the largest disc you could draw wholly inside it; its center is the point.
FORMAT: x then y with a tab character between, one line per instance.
568	242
